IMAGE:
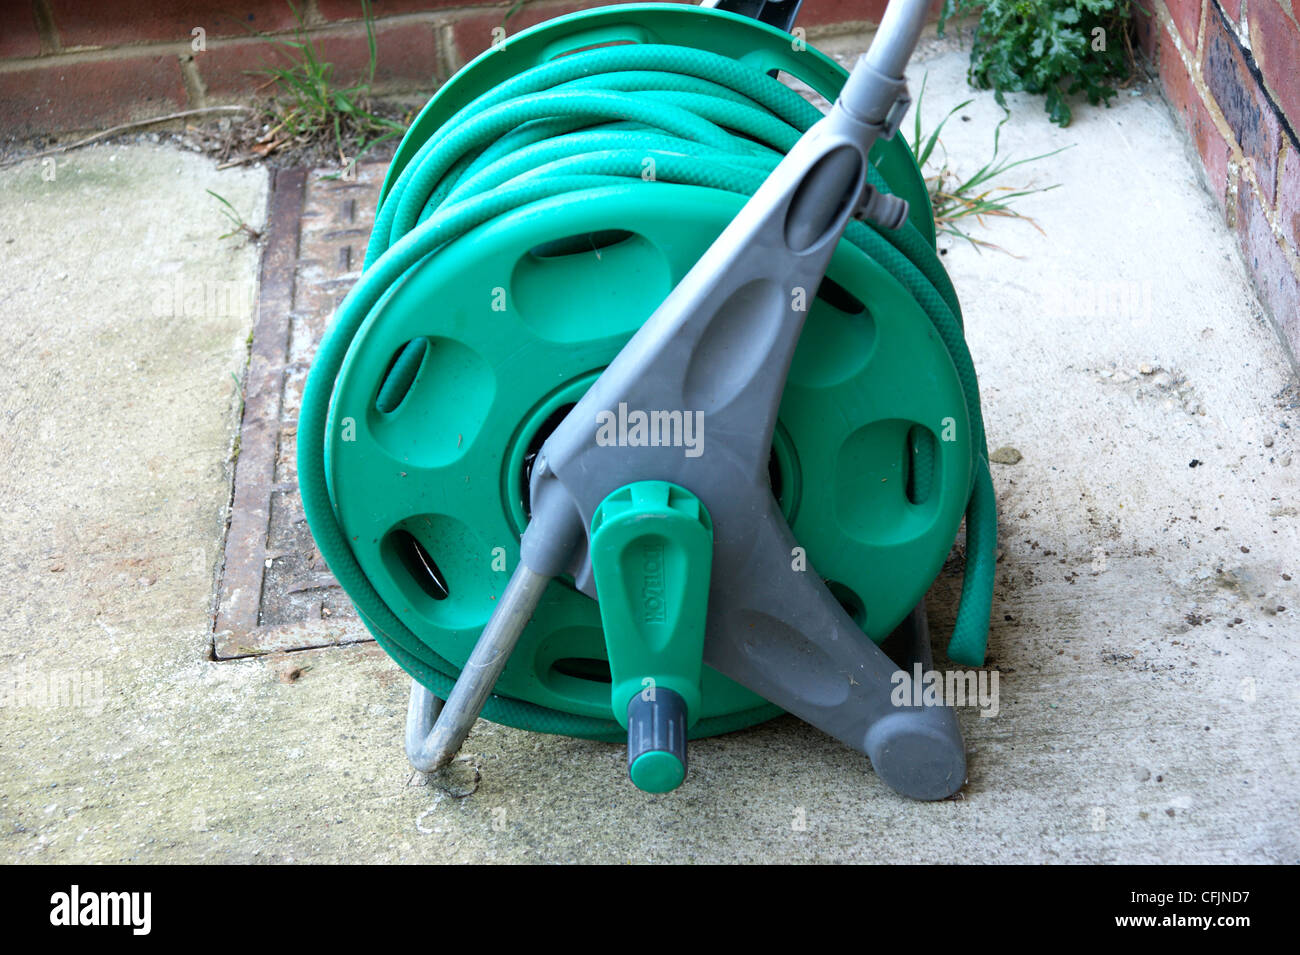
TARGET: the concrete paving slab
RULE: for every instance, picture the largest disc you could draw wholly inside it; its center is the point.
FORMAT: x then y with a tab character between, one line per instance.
1148	676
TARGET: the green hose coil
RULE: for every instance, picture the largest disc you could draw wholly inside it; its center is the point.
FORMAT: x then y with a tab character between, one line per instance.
561	128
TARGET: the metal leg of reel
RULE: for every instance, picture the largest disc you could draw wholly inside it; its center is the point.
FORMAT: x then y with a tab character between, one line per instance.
435	729
421	713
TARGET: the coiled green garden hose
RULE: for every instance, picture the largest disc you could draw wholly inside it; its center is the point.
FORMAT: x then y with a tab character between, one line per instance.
645	113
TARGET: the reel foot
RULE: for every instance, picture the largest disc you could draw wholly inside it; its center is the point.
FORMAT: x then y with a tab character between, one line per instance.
916	755
917	750
421	713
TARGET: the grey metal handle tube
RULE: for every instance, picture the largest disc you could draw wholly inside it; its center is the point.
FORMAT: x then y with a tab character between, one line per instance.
463	705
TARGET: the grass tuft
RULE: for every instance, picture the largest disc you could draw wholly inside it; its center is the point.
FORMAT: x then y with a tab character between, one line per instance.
309	106
955	199
237	223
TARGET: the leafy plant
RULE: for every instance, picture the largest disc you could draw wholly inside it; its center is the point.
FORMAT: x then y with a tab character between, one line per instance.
309	103
1053	47
954	198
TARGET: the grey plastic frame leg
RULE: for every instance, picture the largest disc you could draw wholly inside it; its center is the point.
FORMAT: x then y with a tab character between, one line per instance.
779	632
918	751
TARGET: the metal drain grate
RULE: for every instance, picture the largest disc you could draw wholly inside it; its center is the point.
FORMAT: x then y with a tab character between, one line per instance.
276	592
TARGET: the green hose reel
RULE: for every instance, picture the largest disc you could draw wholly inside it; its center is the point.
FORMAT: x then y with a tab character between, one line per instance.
538	211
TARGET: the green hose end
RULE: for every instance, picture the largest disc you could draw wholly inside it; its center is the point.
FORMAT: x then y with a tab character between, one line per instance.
657	772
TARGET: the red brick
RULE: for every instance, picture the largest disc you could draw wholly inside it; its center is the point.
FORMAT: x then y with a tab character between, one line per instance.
1288	204
1279	287
19	36
1186	100
352	9
1177	83
406	59
233	68
1187	17
1243	104
1265	163
1275	45
54	95
1232	8
1147	28
110	23
822	12
1214	152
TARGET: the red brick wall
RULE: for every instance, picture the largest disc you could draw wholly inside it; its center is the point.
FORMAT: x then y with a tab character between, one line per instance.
1231	68
85	64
